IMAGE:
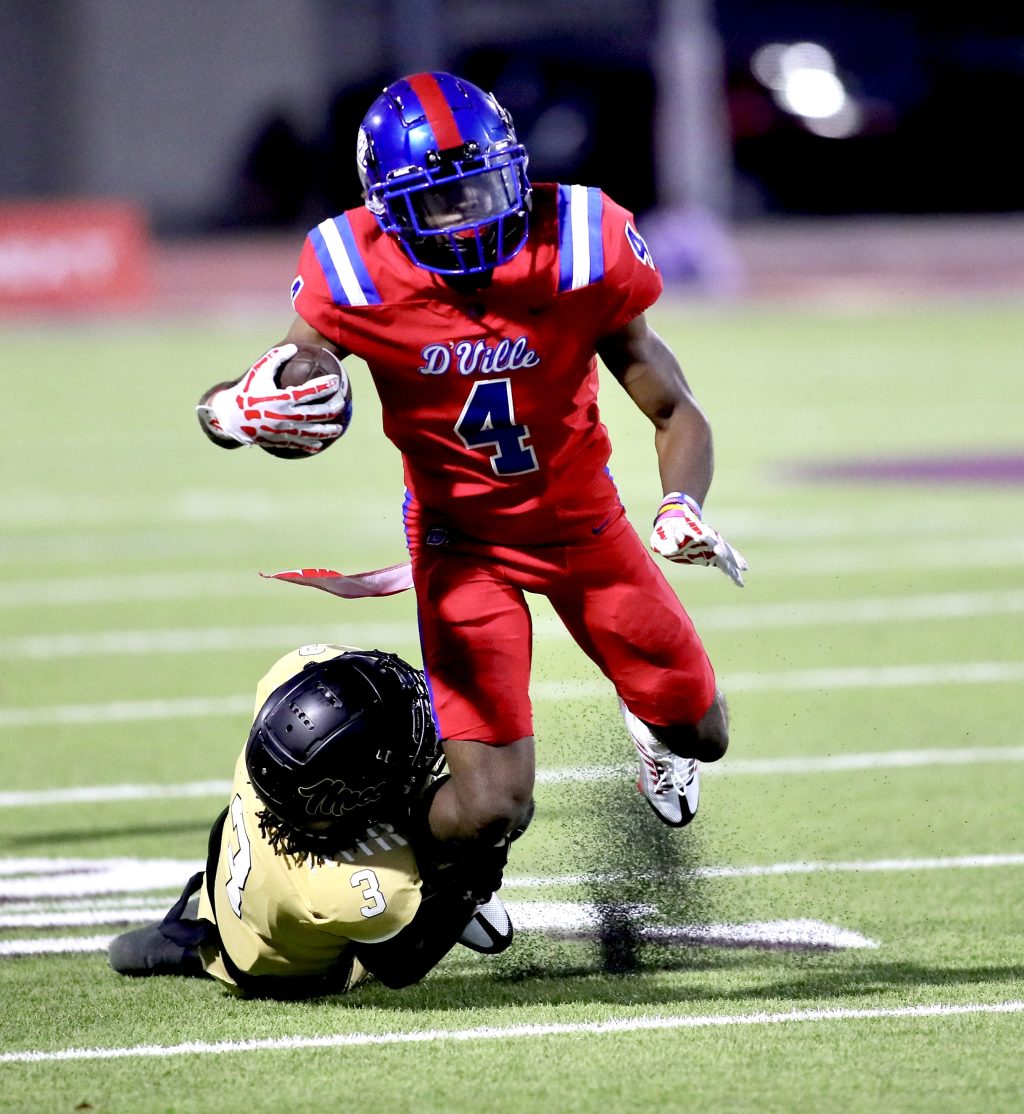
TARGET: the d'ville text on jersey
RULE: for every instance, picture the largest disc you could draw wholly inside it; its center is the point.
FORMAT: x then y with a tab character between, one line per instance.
471	356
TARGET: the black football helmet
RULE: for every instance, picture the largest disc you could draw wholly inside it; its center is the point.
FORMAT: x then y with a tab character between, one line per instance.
341	746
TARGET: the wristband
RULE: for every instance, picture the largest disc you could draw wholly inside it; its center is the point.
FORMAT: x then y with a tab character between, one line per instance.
677	500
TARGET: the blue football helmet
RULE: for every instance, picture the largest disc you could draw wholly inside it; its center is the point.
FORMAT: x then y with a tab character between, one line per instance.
443	172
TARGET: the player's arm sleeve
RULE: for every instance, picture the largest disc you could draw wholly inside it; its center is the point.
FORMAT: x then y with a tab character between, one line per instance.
422	944
314	303
632	282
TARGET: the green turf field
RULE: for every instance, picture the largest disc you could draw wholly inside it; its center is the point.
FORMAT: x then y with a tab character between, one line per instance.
875	667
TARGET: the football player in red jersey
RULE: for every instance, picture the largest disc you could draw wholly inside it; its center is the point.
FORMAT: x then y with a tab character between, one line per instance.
480	303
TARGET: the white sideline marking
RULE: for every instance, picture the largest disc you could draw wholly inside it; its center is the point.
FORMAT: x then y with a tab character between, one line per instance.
510	1032
795	613
787	680
728	767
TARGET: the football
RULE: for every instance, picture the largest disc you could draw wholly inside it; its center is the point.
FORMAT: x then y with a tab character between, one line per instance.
313	362
310	362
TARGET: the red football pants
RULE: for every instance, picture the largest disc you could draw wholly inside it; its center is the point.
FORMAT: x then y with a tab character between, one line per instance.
476	630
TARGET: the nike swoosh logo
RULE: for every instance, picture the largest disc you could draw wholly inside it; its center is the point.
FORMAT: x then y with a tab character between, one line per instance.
598	529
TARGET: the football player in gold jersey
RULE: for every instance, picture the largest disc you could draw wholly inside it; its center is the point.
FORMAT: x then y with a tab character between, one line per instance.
322	869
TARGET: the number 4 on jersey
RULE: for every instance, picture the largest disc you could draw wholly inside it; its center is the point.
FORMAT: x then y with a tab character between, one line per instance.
488	421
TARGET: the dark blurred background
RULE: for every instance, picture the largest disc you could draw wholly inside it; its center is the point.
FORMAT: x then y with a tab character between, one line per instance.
696	115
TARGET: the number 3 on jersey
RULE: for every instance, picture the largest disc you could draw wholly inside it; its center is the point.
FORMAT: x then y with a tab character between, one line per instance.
488	420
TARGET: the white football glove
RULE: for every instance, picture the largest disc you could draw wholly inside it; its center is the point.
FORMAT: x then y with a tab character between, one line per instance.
256	411
680	535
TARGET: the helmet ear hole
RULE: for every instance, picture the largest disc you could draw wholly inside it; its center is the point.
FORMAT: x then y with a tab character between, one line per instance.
340	746
443	172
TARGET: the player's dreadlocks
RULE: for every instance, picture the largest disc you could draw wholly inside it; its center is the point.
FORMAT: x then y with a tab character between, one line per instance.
286	839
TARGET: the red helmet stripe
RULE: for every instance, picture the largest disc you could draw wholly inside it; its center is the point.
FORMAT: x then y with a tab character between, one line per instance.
439	112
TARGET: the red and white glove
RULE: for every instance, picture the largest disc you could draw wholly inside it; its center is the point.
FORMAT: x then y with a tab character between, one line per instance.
256	411
680	535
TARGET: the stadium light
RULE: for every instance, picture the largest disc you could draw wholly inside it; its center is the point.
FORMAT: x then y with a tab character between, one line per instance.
803	80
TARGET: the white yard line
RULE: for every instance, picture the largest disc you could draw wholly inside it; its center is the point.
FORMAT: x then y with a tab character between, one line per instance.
922	553
64	883
760	616
92	794
893	676
74	918
868	866
126	711
729	767
800	680
866	610
59	591
60	879
560	920
45	647
512	1032
787	680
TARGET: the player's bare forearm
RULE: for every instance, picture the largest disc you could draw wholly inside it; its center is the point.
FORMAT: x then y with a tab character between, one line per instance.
653	379
685	453
301	332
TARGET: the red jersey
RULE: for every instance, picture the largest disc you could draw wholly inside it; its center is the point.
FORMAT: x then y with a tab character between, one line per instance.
491	395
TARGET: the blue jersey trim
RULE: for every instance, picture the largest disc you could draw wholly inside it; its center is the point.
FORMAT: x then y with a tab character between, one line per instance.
564	239
316	238
594	231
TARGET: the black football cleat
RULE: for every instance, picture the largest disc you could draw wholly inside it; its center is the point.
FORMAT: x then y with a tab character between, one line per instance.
146	951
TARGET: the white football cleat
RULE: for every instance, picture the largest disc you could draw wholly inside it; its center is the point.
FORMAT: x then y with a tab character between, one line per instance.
490	928
670	784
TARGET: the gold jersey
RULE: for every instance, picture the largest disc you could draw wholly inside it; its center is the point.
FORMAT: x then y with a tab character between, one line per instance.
280	917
